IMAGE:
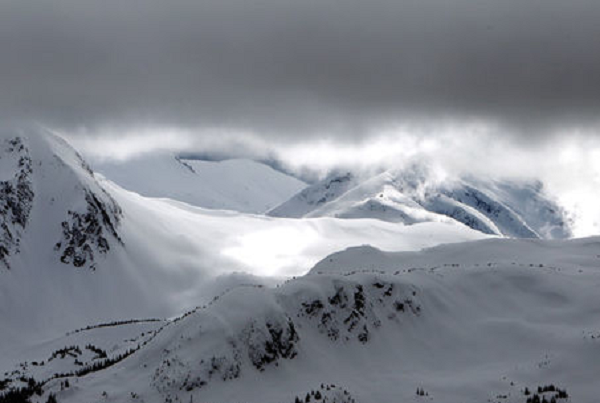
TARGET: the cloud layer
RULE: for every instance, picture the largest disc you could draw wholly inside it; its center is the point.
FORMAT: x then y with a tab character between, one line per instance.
285	69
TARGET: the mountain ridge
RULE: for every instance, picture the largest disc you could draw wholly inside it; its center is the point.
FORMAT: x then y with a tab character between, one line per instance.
371	333
237	184
411	195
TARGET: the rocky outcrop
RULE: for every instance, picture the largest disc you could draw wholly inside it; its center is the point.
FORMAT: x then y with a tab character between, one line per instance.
347	309
16	197
89	233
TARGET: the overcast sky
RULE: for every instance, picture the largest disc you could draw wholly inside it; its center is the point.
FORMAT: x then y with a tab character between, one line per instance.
514	80
289	68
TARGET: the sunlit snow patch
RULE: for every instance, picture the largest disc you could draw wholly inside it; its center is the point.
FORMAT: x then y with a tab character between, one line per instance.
273	250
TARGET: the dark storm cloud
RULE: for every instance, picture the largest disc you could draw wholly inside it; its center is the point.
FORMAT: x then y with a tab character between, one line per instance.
289	67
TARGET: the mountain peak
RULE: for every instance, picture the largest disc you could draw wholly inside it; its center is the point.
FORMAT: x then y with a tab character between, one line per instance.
412	195
42	173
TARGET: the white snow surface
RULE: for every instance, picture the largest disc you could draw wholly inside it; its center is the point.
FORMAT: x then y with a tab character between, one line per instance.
238	184
468	322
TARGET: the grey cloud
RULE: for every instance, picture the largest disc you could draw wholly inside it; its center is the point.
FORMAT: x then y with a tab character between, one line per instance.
284	68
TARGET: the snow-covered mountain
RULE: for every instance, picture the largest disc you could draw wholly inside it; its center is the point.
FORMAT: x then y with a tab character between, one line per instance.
409	196
77	249
58	226
35	175
480	321
240	185
94	279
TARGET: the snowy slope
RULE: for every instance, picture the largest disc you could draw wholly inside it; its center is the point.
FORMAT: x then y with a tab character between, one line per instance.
469	322
529	200
410	196
315	196
78	249
90	272
240	185
58	227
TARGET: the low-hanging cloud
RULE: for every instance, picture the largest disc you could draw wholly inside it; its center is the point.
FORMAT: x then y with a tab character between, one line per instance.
568	166
285	69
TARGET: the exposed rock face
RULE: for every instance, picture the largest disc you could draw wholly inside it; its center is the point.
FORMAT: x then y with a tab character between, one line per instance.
16	197
351	311
269	343
87	233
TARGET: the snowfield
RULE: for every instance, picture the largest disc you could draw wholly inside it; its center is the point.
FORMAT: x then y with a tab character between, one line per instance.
240	185
469	322
110	296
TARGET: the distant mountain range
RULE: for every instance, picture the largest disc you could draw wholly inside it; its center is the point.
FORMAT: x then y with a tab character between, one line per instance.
410	196
521	209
